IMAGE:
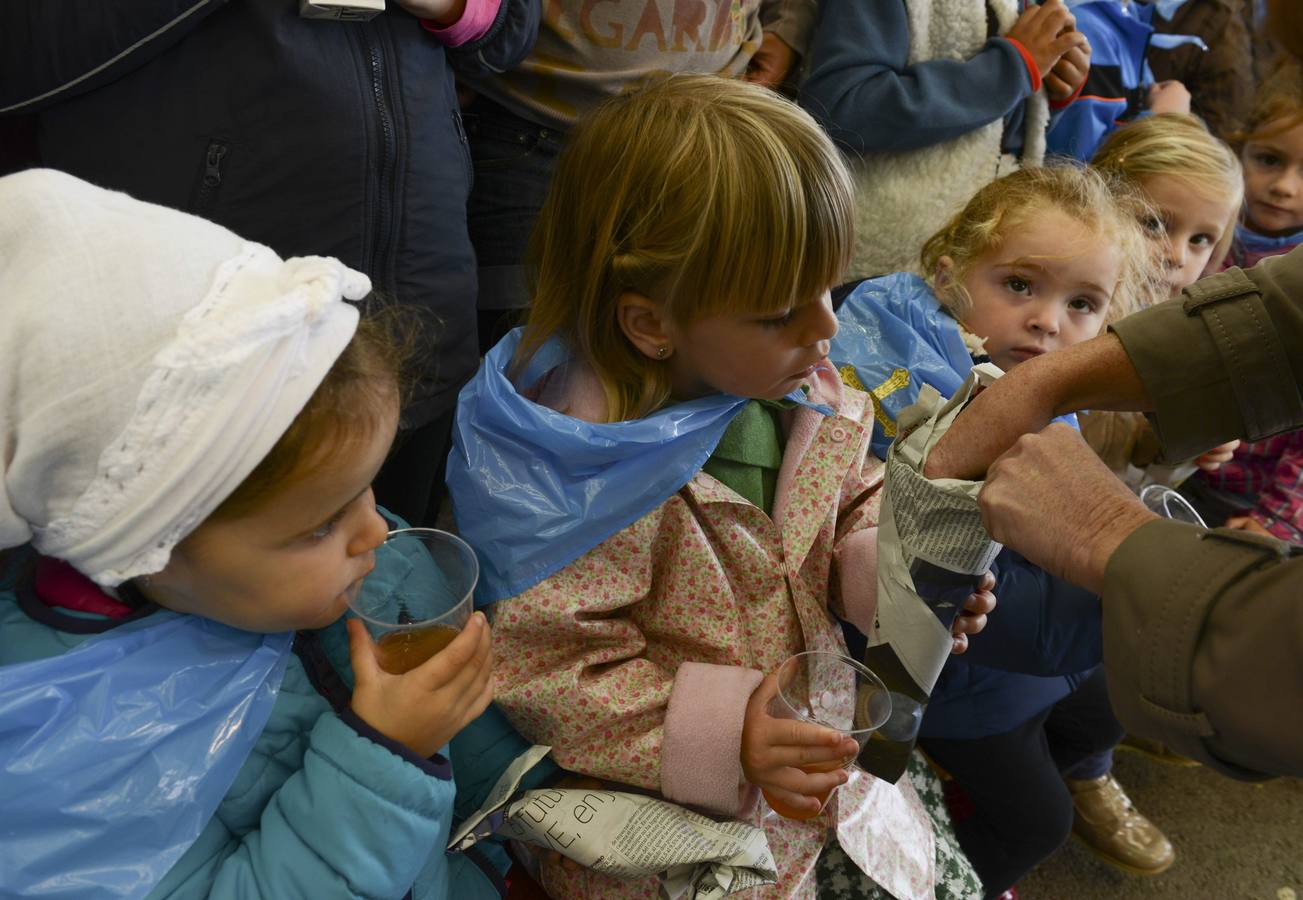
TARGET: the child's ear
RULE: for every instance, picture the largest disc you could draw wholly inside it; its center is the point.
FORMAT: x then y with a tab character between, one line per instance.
942	276
643	322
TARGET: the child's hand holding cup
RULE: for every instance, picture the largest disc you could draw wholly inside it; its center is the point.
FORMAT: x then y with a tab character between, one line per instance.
422	662
805	725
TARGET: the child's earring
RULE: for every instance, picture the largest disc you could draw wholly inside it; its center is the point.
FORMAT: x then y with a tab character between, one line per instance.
662	351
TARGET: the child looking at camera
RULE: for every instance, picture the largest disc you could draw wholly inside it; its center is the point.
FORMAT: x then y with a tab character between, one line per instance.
670	490
1193	183
1259	489
1037	261
1272	156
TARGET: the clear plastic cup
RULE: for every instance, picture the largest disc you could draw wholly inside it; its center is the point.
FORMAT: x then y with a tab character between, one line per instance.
834	691
1168	503
419	596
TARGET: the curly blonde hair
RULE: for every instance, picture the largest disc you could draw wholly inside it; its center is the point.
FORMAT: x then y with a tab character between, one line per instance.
707	195
1177	145
1112	211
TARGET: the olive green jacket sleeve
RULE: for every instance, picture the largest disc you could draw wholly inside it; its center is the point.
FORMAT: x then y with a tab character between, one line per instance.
1226	359
1203	630
1203	646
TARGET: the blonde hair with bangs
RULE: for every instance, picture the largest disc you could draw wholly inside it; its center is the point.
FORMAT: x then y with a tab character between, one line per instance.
1177	145
707	195
1113	212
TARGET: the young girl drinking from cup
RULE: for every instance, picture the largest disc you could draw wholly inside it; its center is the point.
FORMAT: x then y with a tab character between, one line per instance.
670	491
1036	261
191	426
1193	182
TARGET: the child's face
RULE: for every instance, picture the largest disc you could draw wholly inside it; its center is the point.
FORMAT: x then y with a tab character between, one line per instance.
293	562
1047	286
1273	182
1193	221
760	357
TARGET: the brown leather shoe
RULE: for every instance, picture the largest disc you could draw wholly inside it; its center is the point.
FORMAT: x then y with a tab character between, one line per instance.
1110	827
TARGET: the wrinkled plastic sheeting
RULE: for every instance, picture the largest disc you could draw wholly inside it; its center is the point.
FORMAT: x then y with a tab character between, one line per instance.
893	338
115	755
896	337
534	489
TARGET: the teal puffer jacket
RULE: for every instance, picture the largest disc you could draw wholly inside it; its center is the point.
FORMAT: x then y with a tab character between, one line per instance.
324	806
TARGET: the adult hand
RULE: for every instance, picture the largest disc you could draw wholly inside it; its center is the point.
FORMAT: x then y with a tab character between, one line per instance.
972	618
772	62
423	709
1169	97
1248	523
1096	374
1217	456
1069	73
1053	500
774	749
442	13
1047	32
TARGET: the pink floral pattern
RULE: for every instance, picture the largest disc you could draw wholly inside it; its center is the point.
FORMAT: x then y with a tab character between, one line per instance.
586	659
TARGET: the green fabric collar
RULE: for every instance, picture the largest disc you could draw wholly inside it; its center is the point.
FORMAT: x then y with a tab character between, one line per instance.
750	452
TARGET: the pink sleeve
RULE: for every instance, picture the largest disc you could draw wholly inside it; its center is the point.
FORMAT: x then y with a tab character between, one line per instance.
857	572
701	754
476	19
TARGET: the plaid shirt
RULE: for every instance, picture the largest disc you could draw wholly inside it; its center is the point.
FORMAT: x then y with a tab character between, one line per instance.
1271	470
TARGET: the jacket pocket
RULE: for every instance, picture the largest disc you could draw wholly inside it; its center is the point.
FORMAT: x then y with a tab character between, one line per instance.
500	144
210	178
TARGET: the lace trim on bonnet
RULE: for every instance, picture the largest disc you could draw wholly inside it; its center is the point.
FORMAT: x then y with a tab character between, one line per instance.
214	339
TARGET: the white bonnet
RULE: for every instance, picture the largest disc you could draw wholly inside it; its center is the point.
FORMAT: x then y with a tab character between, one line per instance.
149	360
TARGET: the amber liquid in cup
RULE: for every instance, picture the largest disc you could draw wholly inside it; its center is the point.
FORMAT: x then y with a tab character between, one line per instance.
788	812
402	651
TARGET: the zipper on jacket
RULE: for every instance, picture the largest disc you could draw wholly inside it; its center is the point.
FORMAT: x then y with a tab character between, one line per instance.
387	162
212	177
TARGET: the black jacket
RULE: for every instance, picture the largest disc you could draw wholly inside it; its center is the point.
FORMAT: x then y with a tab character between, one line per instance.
313	137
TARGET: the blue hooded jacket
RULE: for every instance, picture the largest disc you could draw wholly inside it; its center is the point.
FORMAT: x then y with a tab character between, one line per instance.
1117	86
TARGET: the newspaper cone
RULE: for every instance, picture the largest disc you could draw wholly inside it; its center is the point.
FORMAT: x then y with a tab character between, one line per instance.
932	552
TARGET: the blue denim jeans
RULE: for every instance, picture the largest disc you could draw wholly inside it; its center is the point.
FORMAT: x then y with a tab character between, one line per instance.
513	159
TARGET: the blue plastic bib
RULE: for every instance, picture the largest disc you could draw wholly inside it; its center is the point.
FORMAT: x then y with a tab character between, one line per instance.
115	754
534	489
894	337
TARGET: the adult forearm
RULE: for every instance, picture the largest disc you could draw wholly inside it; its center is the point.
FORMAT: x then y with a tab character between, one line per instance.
1093	375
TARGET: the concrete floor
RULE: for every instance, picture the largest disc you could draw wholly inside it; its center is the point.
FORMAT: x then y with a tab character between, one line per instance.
1234	841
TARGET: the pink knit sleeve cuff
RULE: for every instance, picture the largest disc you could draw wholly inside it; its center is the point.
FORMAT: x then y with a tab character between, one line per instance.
857	565
700	754
475	22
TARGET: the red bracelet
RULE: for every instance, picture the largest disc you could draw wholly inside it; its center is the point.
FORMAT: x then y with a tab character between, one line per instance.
1060	104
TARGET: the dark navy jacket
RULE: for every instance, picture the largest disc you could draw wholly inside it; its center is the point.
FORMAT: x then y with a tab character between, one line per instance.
313	137
1044	638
